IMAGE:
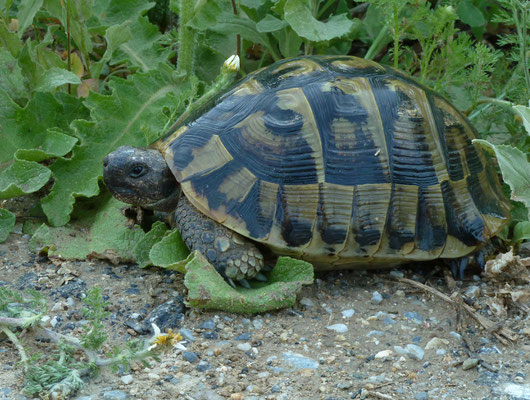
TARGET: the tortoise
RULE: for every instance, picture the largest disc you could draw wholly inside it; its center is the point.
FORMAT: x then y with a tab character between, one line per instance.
336	160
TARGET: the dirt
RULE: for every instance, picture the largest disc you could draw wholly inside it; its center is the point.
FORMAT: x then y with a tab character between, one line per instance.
291	353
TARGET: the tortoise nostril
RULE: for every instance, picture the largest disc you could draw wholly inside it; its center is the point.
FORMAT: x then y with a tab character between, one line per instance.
105	161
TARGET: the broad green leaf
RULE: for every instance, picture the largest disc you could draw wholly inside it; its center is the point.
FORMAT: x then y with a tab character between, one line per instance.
143	247
26	13
11	78
98	230
470	14
521	231
55	77
115	36
270	24
22	177
515	169
168	252
107	13
524	112
207	288
7	222
134	106
9	40
144	50
298	14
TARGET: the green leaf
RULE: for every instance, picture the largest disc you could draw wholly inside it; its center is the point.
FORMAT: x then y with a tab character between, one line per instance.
55	77
168	252
270	24
515	169
143	247
114	12
470	14
207	288
115	36
134	106
298	14
98	230
26	13
524	112
145	49
7	223
521	231
22	177
9	40
11	78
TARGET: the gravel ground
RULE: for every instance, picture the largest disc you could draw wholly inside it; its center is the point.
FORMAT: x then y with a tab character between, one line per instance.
351	335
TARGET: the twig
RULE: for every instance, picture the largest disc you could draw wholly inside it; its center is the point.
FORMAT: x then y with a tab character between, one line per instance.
503	334
378	395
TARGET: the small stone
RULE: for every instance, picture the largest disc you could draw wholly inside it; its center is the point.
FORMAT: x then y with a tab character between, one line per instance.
115	395
414	317
375	333
187	335
456	335
344	385
415	352
400	293
348	313
190	356
517	392
307	302
376	298
127	379
441	352
421	396
384	354
436	343
473	292
264	375
244	346
396	274
470	363
298	361
258	323
244	336
339	328
153	376
275	389
207	325
54	322
203	366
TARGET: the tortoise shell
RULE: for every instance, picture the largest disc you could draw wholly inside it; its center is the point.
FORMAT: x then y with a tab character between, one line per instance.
339	161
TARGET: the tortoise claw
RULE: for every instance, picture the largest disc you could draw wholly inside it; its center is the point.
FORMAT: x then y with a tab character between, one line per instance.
458	267
244	283
231	283
260	277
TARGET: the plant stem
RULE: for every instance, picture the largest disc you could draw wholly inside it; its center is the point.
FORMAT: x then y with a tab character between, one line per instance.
396	36
328	4
186	37
11	336
520	25
238	37
68	42
377	44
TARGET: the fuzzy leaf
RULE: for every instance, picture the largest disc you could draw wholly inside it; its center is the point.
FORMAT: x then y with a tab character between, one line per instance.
521	231
108	13
207	289
270	24
115	36
298	15
168	252
7	222
470	14
98	229
11	79
55	77
144	50
121	118
143	247
524	112
515	169
26	13
22	177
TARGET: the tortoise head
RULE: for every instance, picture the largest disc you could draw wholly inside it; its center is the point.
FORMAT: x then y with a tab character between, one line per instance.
141	177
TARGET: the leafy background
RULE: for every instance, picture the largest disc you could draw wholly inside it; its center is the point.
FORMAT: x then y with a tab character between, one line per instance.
78	78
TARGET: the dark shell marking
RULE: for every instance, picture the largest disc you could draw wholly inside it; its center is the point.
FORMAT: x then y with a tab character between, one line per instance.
340	161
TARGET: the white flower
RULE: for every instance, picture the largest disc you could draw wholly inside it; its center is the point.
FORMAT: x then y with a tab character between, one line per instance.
164	339
232	63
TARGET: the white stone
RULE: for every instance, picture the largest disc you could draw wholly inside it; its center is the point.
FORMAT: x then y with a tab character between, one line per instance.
127	379
348	313
244	346
339	328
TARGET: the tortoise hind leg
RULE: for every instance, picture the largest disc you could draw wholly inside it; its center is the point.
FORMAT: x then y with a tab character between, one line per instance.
232	255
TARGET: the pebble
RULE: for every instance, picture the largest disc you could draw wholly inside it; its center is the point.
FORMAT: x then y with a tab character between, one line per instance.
209	324
244	336
348	313
470	363
168	315
203	366
307	302
376	298
375	333
473	292
421	396
187	334
127	379
153	376
384	354
339	328
414	317
456	335
299	361
115	395
413	351
190	356
517	392
396	274
436	343
244	346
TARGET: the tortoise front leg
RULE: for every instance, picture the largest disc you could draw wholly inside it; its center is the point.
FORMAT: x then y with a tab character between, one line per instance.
232	255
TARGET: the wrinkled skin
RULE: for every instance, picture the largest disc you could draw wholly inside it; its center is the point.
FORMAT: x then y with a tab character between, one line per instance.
141	177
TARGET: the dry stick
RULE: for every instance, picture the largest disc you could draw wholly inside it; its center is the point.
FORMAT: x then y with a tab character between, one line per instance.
501	333
378	395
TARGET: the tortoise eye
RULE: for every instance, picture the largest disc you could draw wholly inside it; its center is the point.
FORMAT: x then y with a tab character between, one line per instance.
138	171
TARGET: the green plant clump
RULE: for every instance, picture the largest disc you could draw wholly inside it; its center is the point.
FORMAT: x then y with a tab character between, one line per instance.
80	78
